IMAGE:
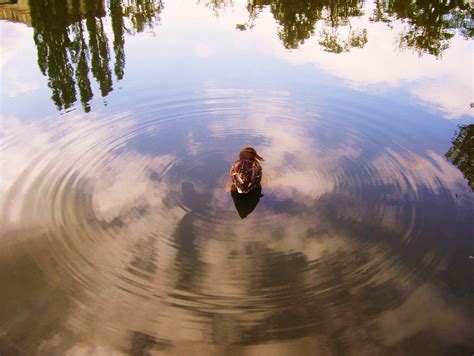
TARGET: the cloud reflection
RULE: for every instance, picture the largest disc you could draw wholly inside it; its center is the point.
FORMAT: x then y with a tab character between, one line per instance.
378	66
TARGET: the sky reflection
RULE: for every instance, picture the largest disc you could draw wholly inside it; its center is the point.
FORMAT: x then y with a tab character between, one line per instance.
390	56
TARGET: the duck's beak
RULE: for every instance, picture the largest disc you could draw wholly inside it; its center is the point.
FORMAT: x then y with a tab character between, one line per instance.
259	158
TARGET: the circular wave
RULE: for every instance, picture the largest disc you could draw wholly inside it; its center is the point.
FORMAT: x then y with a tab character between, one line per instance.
134	210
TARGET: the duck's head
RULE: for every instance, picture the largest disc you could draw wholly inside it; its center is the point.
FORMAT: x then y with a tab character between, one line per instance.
249	153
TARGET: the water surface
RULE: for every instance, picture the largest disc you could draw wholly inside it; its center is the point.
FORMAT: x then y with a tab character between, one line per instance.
121	119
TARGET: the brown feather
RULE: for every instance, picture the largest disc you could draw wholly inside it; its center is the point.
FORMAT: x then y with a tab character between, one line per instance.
246	172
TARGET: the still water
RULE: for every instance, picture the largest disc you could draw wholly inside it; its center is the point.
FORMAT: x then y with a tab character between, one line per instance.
121	119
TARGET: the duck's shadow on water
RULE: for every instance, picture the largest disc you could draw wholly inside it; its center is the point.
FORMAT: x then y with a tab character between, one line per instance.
246	203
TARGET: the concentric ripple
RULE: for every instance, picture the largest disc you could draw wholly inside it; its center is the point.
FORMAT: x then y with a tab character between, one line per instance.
130	215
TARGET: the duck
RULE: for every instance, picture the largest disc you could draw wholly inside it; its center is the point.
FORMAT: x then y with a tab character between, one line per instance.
246	172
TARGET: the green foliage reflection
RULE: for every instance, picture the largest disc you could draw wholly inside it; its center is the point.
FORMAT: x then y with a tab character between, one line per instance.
51	36
461	154
430	24
298	21
143	14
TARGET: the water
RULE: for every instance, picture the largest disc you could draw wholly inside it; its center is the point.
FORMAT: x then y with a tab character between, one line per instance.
120	121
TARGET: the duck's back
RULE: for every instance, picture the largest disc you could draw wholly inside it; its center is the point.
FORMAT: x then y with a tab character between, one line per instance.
246	175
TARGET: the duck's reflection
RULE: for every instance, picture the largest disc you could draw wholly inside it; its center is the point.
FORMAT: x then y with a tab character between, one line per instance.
246	203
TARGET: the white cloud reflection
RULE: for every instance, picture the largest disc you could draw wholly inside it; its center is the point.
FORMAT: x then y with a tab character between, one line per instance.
203	50
17	86
16	42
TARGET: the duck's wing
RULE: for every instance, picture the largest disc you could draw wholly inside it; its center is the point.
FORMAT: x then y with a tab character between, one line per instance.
234	169
236	173
256	172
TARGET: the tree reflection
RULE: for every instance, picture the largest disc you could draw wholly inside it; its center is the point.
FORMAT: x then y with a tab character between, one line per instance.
142	14
98	45
298	20
116	14
71	42
80	53
461	154
431	24
51	36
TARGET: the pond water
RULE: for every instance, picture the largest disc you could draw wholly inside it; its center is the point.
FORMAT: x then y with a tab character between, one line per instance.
121	120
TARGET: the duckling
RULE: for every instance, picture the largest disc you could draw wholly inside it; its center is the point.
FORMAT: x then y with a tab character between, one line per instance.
246	172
